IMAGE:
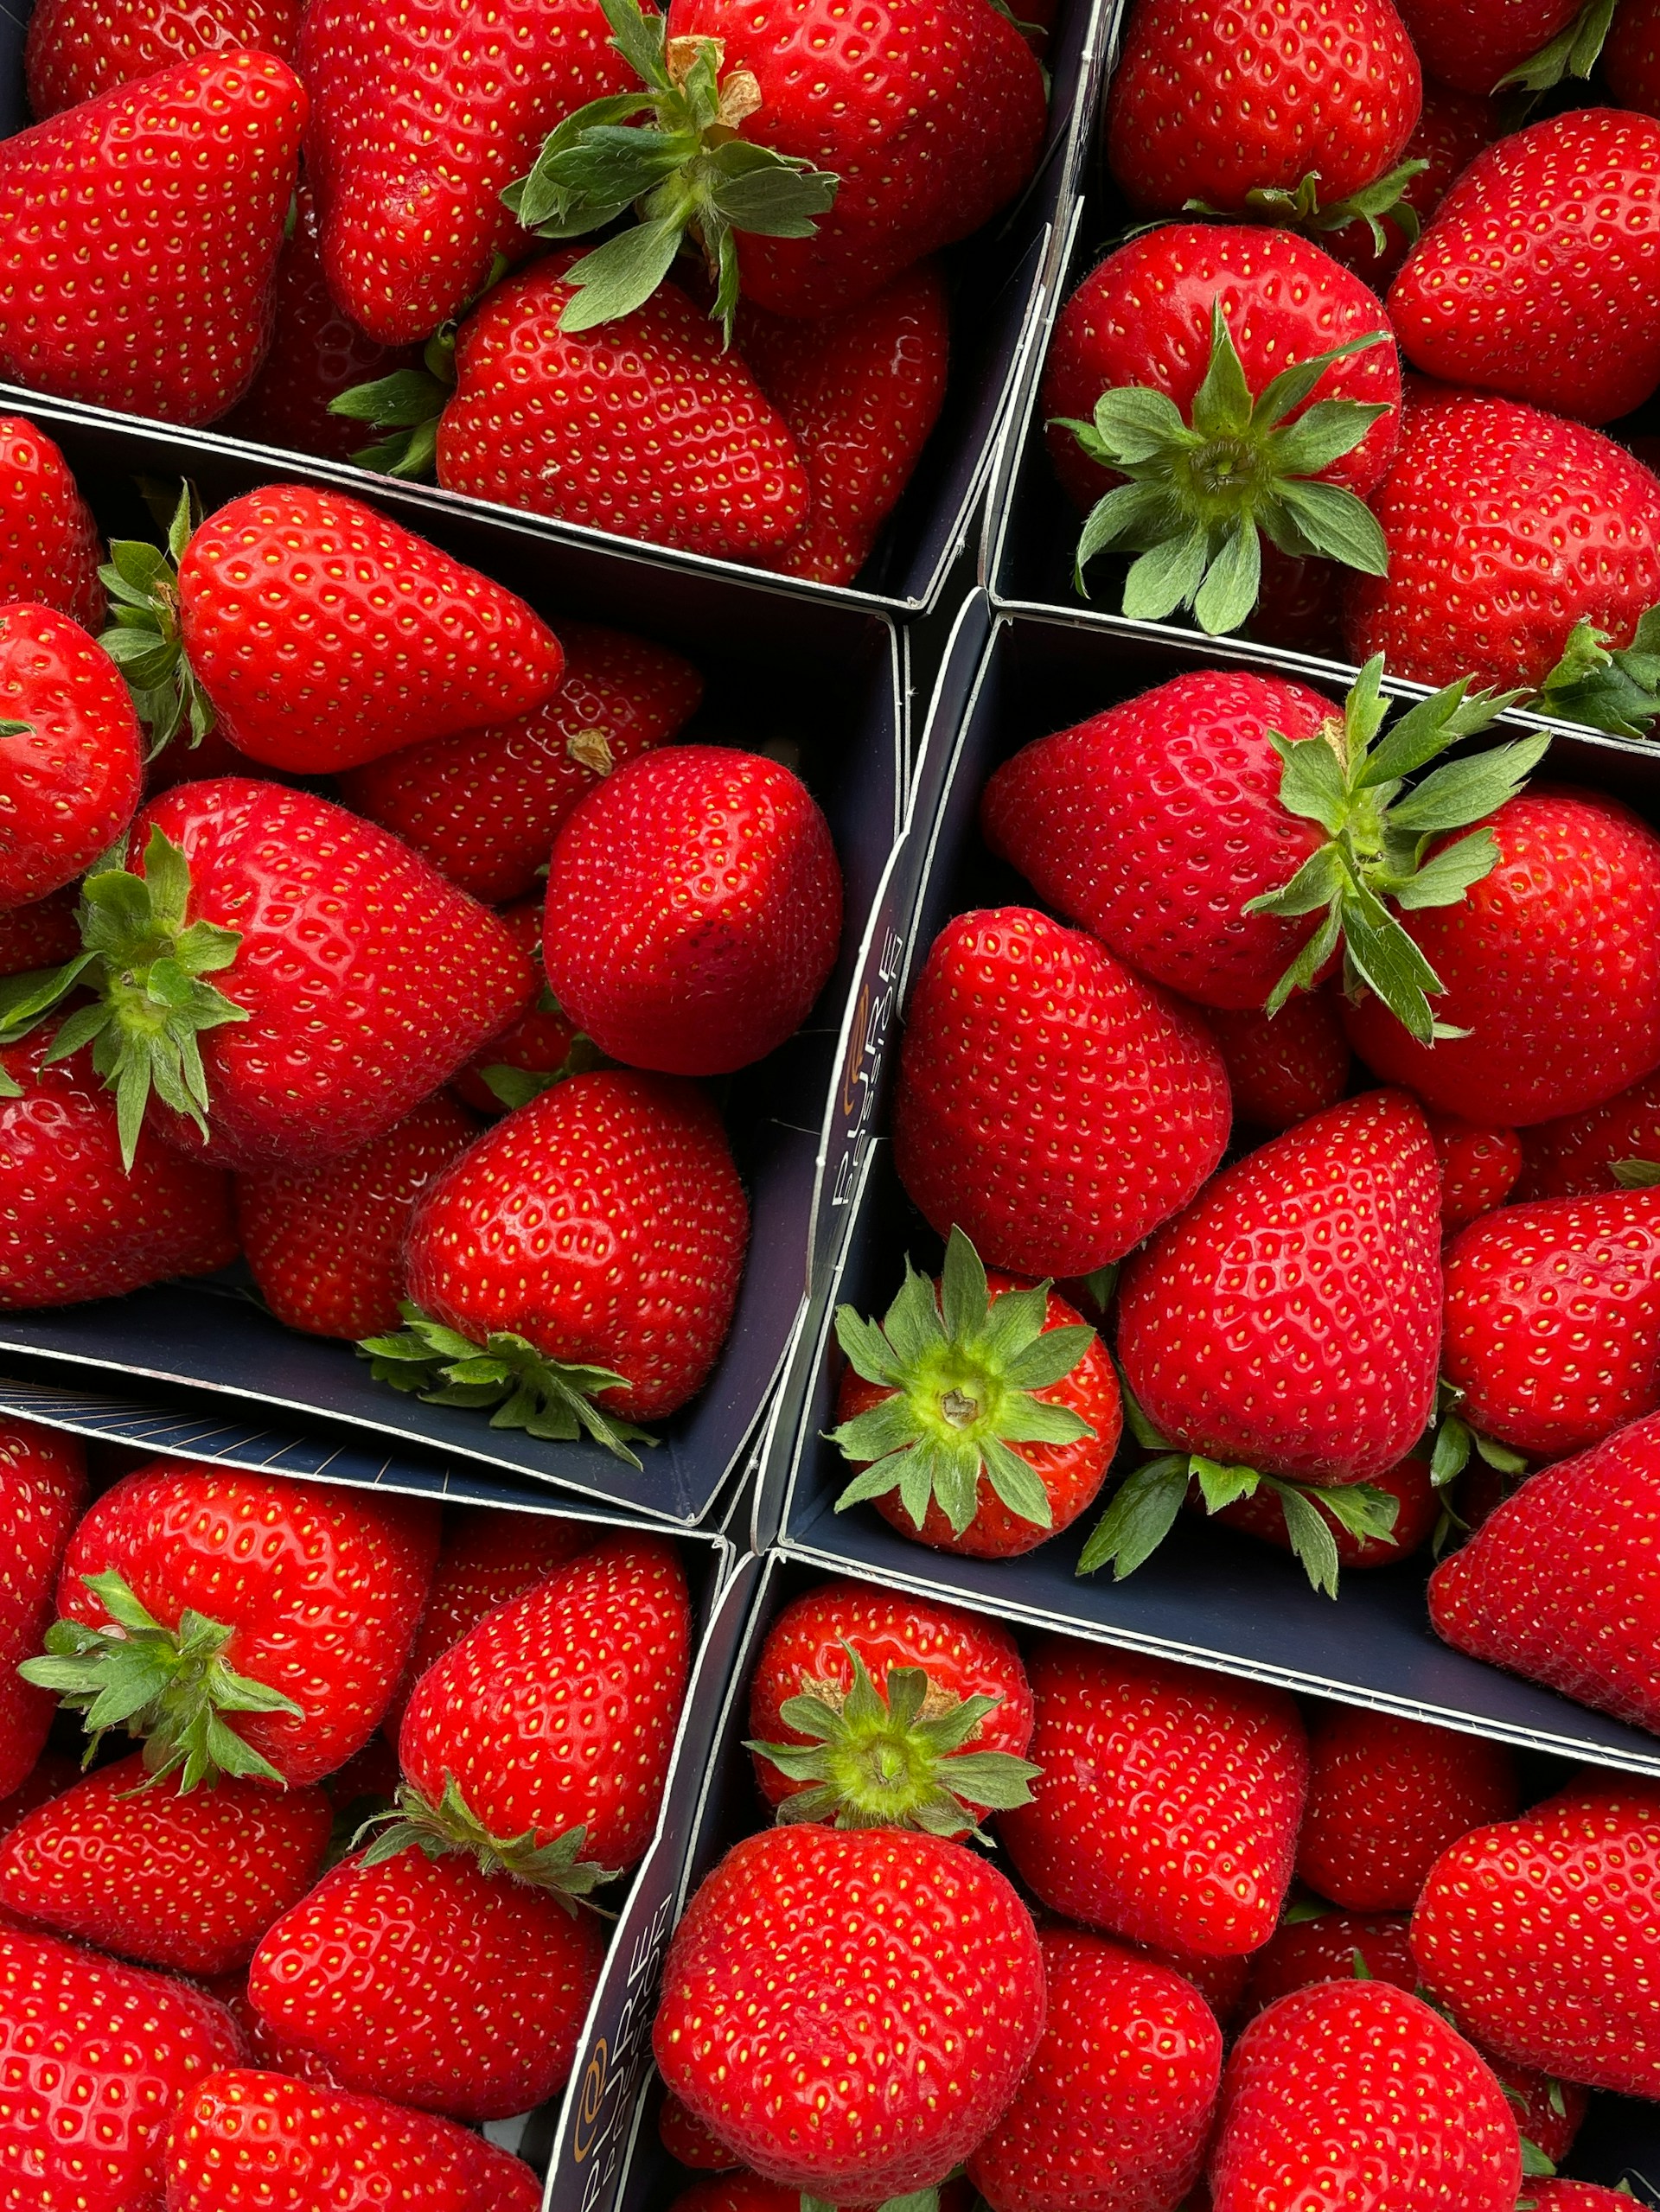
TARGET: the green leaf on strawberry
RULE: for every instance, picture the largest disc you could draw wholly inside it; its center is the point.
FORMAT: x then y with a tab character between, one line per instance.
143	639
408	404
1572	52
1614	689
1300	208
437	1830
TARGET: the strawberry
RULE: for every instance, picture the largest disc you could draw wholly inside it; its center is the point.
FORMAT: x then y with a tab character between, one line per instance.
51	1774
1565	2195
1188	362
94	2059
325	1244
49	540
1332	1946
689	2143
899	1977
42	1491
1630	59
1221	1982
1453	129
195	1592
1538	1933
43	934
1550	2113
983	1413
1416	1501
1479	44
1050	1104
1357	2090
637	1318
1166	1807
881	1711
1593	1152
300	2147
81	1221
1386	1797
485	807
1479	1165
141	231
71	755
77	48
532	1052
693	909
187	1881
1282	1068
1116	2105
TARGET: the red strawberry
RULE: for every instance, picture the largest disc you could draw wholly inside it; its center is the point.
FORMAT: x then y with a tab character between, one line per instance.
77	48
1357	2090
71	755
1333	1947
300	2147
43	934
1539	1934
689	2143
49	540
1116	2105
532	1052
983	1413
888	1711
1630	59
1565	2195
42	1490
1050	1104
1453	129
141	233
326	1243
51	1774
1583	1153
1282	1068
305	1599
94	2059
898	1974
1166	1807
1386	1797
1478	1167
1221	1982
1550	2113
1475	44
484	806
693	909
1417	1510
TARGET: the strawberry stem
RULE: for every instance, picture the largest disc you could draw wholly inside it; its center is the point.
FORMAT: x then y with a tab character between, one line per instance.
1572	52
409	403
1614	689
450	1825
1300	209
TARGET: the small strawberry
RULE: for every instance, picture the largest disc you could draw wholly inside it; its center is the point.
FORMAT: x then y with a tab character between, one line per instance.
1453	129
689	2143
1605	1148
42	1491
1329	1947
1167	1806
43	934
49	540
1282	1068
77	48
1479	44
71	755
1480	1166
1417	1503
532	1052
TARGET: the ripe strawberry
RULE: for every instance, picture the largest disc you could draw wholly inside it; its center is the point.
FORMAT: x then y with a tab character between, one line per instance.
1584	1153
983	1413
49	540
141	233
51	1774
1630	59
1453	129
1221	1982
637	1318
1334	1947
1548	2113
836	1949
42	1491
301	2147
94	2059
326	1243
1115	2107
689	2143
1282	1068
694	910
255	1626
1417	1510
71	755
43	934
1050	1104
1356	2089
1386	1797
485	807
1565	2195
77	48
1539	1934
1166	1807
1479	1165
532	1052
875	1710
1476	44
80	1222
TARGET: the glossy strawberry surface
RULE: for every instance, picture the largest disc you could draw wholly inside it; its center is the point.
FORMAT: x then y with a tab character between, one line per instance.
42	1492
77	48
49	548
1301	1953
1479	1167
1284	1067
1576	1156
539	1045
1472	43
1417	1510
70	752
1453	129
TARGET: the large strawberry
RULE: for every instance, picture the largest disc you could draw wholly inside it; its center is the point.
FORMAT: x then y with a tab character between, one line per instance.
1286	1066
71	755
1050	1104
243	1624
140	233
49	540
42	1490
1608	1147
851	2009
77	48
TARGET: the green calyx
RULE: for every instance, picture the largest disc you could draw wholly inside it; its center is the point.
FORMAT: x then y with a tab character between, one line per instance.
173	1687
1572	52
415	1824
1378	833
1301	209
1454	1440
553	1398
1614	689
407	406
517	1087
1636	1175
962	1368
1202	496
893	1758
143	638
673	152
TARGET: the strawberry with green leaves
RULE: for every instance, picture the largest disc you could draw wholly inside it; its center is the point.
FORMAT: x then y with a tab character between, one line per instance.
1481	45
1404	1496
1314	1944
71	753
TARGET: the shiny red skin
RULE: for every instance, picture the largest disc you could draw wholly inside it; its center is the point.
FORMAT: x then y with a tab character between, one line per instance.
931	114
1290	1319
1358	2090
49	548
1562	2195
1284	1067
1114	2111
539	1043
321	1587
485	807
1554	1584
689	2143
326	635
1154	823
1221	1982
418	124
1505	526
77	48
70	777
1418	1507
366	977
861	392
186	1883
808	1963
1326	85
43	934
1302	1953
1167	1809
654	1300
559	1710
1631	56
42	1492
140	234
427	1982
1535	2099
1453	129
807	1648
1546	962
1143	317
1472	43
77	1224
1050	1104
299	2147
1574	1157
1539	1935
326	1243
1479	1167
644	427
1386	1797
